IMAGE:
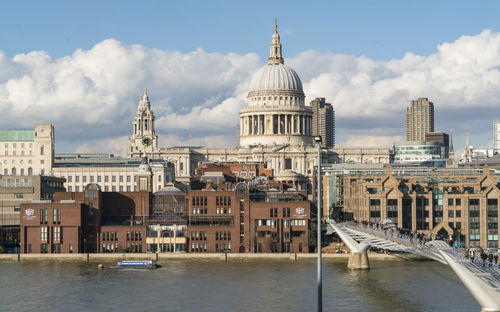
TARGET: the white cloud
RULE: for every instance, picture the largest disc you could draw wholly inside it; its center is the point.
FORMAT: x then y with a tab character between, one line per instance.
364	141
91	96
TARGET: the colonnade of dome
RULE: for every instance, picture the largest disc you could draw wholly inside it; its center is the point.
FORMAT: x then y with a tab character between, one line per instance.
276	113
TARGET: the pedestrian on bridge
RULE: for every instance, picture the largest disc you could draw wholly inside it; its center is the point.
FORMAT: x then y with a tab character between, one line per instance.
471	255
490	259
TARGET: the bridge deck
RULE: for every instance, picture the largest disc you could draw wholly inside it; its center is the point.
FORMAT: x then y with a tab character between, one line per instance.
392	241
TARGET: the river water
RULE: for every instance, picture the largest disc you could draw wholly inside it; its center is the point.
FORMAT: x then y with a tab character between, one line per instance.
232	286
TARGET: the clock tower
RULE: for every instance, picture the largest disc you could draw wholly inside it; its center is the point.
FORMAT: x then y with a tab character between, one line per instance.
143	129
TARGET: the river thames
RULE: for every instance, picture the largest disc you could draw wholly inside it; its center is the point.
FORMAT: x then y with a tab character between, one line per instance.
232	286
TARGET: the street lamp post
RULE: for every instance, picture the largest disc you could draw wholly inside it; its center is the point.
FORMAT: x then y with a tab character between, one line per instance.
319	281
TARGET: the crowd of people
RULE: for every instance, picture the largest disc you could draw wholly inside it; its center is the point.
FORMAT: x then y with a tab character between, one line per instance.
489	259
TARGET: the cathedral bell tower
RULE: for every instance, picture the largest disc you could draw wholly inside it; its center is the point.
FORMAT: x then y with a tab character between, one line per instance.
144	139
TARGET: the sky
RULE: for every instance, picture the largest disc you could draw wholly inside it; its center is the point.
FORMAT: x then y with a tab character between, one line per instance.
82	65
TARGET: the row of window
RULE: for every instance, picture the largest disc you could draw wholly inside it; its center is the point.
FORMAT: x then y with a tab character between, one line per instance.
273	212
134	236
286	223
199	210
244	174
199	200
451	201
113	247
14	153
222	200
198	247
198	235
93	179
56	215
56	234
223	235
222	247
14	161
109	236
128	188
13	171
22	145
56	248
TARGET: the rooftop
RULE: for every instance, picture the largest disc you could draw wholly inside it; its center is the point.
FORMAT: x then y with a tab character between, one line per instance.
17	135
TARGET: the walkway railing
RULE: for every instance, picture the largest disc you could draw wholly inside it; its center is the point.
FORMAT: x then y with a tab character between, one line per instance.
476	265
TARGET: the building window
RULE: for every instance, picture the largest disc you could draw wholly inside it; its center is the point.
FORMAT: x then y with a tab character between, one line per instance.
18	196
113	178
43	233
77	188
70	179
128	178
57	234
42	150
91	179
70	188
17	208
121	178
128	188
84	179
77	179
113	188
288	163
106	179
98	179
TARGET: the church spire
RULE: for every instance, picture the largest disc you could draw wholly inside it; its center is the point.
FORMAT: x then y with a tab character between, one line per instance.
275	56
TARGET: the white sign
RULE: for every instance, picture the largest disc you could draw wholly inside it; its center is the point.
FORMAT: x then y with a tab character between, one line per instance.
29	214
299	211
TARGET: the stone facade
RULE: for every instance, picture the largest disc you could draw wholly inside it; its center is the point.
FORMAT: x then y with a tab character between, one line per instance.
113	174
455	202
27	152
323	122
275	129
419	119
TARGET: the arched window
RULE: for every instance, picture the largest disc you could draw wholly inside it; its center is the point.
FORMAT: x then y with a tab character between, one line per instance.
181	166
14	171
42	150
30	171
22	171
145	125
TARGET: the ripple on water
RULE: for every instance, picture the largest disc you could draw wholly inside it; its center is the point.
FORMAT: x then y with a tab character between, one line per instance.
232	286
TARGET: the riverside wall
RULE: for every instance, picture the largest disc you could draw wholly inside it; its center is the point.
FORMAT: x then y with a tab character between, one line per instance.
161	257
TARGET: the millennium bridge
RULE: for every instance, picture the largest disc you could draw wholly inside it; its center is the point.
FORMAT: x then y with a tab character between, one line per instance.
481	279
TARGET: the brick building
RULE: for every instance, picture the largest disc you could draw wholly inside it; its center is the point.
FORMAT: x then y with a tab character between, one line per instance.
90	221
243	220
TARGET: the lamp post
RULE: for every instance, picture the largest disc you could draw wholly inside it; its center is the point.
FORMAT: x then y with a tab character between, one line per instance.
317	139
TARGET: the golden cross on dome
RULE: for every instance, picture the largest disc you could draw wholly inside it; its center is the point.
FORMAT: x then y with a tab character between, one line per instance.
275	25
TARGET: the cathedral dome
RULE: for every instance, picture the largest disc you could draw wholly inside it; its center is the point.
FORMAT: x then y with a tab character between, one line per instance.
276	77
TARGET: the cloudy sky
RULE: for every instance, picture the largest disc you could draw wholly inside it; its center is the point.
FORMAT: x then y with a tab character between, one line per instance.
83	66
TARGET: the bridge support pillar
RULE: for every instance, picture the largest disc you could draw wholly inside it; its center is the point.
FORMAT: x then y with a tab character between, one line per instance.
358	260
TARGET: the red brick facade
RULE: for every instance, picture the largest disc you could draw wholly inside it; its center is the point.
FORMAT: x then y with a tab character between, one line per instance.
89	221
219	221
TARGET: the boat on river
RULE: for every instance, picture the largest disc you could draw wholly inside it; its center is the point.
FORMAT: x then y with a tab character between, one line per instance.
138	264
